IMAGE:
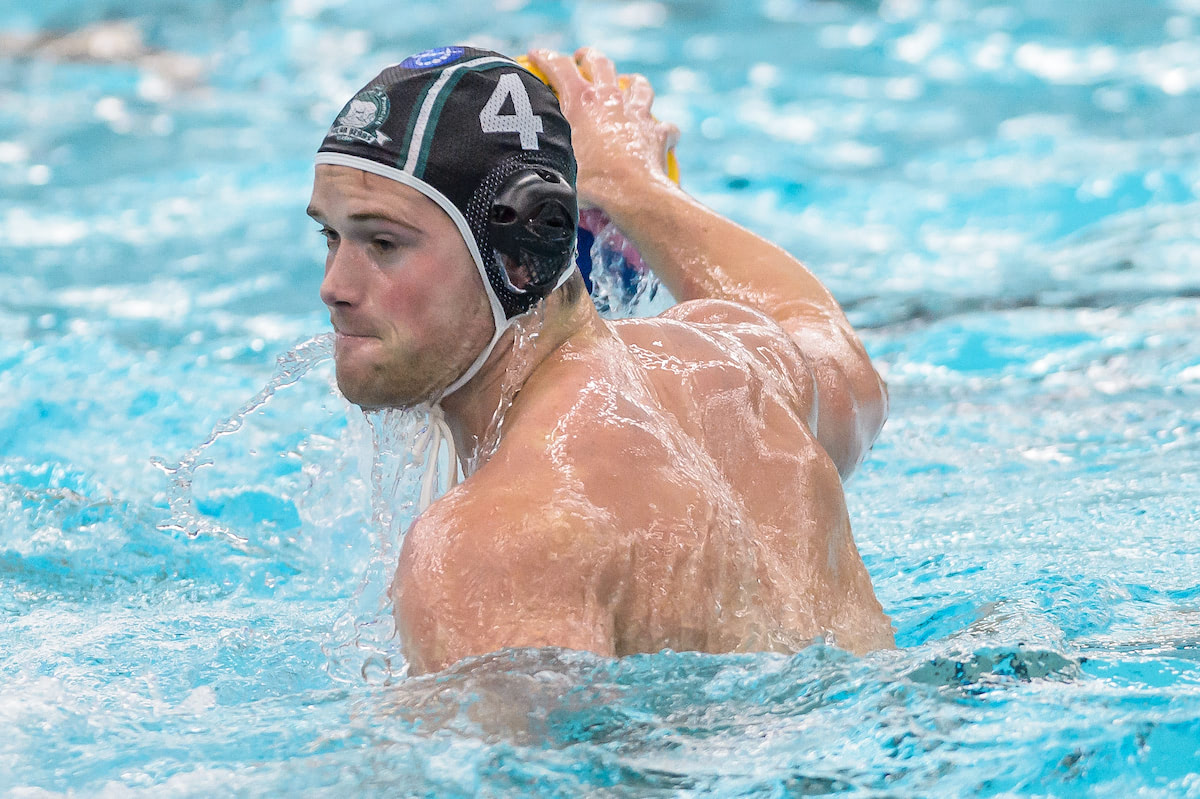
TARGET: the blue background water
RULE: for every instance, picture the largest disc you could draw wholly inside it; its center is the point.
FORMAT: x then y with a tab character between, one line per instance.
1002	194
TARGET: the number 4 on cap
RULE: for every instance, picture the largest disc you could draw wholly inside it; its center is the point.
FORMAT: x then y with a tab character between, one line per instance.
523	121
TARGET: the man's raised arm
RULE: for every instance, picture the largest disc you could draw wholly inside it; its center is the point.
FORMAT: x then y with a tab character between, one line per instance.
698	254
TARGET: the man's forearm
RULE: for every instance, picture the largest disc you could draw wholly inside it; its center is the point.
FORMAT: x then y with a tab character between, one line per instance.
699	254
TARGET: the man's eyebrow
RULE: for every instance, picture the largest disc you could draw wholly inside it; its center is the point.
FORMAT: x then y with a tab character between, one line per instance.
376	216
365	216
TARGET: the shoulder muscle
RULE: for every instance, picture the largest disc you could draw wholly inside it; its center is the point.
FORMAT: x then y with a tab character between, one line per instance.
475	577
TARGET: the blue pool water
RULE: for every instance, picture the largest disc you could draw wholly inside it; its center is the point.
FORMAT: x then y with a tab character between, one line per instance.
1004	196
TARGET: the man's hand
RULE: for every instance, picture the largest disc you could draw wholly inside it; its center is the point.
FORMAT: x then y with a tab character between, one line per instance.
619	145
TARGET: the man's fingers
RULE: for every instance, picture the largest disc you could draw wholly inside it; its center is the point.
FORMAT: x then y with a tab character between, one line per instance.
596	67
639	91
560	70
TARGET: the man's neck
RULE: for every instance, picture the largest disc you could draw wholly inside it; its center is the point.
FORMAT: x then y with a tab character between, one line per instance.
471	411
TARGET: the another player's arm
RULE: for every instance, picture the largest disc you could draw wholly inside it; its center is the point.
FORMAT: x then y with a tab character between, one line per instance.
699	254
471	581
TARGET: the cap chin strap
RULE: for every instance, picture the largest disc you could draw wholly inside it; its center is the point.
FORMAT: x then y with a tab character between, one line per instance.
430	445
501	326
438	430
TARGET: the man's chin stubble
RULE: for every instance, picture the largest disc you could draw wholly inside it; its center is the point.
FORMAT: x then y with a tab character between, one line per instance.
370	401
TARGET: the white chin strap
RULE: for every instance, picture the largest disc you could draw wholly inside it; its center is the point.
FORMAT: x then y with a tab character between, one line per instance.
502	324
438	430
430	443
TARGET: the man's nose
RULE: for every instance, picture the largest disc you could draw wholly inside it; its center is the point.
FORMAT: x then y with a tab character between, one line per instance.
343	282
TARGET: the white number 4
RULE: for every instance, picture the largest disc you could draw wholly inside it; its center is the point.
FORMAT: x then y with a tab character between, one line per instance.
524	121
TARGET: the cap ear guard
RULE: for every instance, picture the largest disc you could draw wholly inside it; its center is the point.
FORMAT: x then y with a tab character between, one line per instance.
531	226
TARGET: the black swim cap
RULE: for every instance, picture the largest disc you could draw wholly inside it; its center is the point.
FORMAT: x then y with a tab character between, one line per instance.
465	127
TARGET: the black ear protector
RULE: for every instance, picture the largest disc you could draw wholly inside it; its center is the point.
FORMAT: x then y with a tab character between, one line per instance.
531	227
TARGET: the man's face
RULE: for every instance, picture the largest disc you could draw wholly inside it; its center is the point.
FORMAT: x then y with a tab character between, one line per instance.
404	296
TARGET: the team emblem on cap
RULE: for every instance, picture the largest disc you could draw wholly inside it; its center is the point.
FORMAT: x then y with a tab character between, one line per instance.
432	58
362	116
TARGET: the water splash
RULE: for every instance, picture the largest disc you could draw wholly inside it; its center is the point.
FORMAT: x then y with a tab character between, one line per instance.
393	457
185	517
526	331
363	644
621	284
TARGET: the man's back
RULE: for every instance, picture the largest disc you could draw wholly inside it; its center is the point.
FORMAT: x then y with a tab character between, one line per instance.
659	485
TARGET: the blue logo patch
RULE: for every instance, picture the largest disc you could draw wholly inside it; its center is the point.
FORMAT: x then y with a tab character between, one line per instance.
432	58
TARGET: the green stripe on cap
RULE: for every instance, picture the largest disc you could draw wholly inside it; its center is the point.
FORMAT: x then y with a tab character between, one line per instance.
413	116
431	108
435	113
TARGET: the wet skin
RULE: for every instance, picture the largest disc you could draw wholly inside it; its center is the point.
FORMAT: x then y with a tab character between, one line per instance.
671	482
659	485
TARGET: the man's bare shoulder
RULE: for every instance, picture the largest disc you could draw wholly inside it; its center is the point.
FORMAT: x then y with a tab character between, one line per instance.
500	560
726	338
586	437
716	312
496	517
733	327
536	501
817	354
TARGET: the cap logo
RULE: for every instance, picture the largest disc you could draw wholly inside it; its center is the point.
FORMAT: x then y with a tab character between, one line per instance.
432	58
362	116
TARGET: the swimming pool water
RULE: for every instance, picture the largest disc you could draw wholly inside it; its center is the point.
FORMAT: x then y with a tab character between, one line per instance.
1004	196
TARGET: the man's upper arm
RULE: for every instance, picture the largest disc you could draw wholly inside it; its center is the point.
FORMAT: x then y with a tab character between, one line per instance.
852	398
820	349
469	583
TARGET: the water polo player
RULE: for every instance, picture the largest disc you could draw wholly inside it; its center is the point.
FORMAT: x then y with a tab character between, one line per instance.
672	482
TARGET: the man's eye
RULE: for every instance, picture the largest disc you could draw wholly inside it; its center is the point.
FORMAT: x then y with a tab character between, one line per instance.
384	245
331	236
